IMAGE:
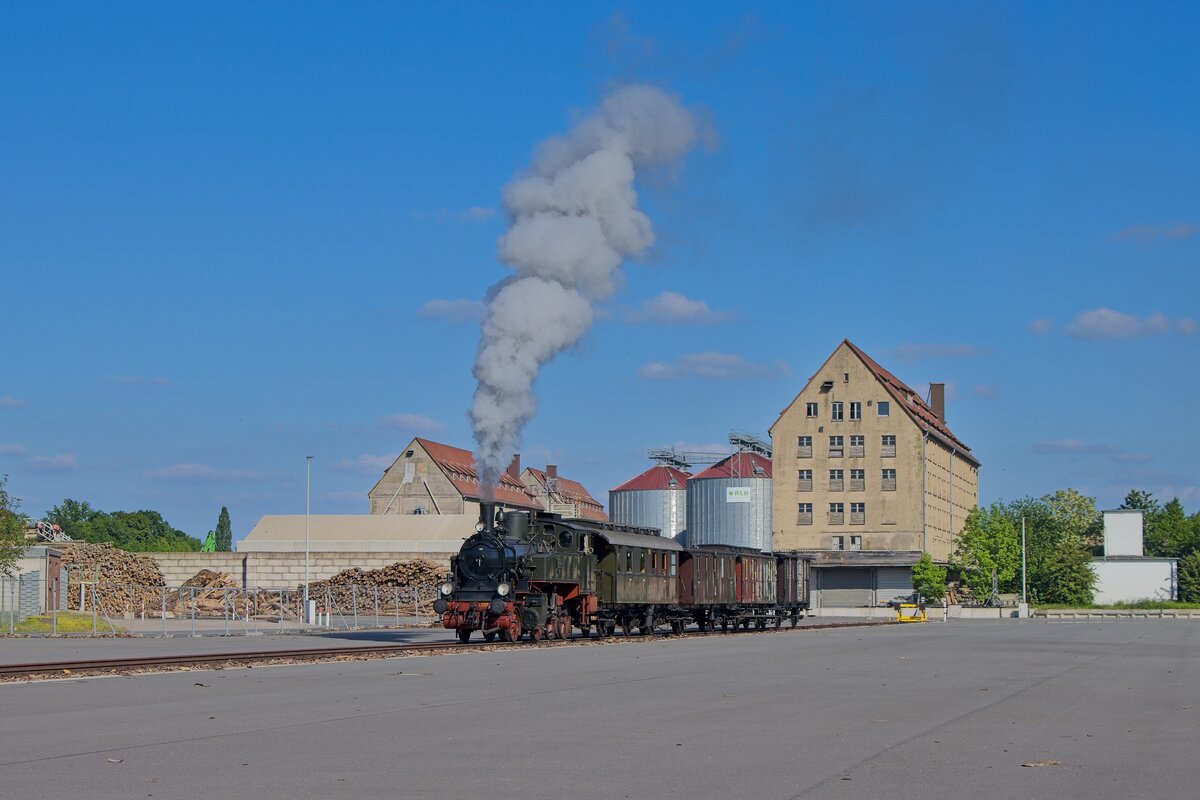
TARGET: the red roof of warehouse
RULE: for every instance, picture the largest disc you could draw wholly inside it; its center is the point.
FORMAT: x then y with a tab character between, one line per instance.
459	466
739	465
657	477
573	491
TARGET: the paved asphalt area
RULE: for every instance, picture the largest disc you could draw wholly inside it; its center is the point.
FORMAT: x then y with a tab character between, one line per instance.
916	711
40	649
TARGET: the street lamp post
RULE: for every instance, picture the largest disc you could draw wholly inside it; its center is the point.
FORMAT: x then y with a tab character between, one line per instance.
307	511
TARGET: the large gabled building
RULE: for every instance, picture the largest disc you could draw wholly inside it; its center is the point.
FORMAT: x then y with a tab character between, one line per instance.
560	495
861	462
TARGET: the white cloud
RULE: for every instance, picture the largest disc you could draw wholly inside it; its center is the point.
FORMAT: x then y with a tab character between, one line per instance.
917	352
453	310
1105	323
10	402
13	449
203	472
712	366
1078	447
59	462
1150	233
986	390
365	464
140	380
414	423
674	308
1039	326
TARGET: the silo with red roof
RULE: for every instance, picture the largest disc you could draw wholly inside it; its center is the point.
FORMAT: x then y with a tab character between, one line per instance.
655	499
730	502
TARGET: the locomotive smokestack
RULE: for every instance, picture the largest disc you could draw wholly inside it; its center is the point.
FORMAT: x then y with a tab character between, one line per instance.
487	515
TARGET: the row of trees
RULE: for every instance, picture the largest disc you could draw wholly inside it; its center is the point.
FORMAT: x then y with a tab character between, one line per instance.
1063	531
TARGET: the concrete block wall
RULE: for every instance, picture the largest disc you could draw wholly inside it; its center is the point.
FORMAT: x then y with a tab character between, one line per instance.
280	570
22	594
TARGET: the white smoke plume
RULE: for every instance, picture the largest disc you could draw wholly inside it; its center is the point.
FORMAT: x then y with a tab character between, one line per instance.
575	219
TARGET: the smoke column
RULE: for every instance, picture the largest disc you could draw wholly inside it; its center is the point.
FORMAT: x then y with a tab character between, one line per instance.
575	219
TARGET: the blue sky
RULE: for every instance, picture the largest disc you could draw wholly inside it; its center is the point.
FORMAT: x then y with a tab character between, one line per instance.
233	235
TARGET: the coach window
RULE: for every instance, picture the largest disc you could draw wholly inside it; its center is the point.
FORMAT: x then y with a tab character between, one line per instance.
629	559
673	566
642	562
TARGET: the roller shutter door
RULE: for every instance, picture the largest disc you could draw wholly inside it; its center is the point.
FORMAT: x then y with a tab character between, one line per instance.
844	586
892	583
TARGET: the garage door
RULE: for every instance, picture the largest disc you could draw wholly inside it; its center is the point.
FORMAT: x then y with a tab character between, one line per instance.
846	586
893	582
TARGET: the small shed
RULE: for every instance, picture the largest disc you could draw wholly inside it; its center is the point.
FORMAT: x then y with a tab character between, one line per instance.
1123	573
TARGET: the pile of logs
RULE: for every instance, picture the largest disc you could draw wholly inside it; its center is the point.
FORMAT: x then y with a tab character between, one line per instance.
362	586
121	577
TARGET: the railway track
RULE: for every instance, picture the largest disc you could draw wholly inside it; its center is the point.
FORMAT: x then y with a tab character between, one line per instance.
121	666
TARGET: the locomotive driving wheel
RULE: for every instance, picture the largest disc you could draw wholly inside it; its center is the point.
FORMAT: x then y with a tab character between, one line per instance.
489	637
464	634
564	627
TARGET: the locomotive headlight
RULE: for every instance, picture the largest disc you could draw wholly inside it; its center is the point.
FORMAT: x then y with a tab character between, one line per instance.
447	587
479	526
503	589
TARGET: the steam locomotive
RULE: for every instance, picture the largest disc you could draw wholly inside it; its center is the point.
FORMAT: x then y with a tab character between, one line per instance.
535	574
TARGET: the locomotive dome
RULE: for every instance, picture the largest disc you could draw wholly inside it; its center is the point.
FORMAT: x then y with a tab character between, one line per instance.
657	498
730	502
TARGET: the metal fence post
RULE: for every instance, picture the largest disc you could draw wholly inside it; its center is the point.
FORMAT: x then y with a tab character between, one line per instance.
192	603
282	608
54	611
164	611
329	608
396	605
354	602
225	608
12	620
254	608
93	609
375	624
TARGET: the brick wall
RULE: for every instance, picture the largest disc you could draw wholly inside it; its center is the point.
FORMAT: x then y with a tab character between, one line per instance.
279	570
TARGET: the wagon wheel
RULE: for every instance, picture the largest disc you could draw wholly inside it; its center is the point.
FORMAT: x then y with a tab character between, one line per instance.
676	627
627	627
489	637
795	620
724	624
610	629
585	631
761	623
464	634
778	622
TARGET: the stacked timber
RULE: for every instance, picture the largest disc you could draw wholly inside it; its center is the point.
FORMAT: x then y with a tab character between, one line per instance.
396	580
120	577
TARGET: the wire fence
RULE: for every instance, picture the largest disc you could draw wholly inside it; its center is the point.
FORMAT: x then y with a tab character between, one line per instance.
31	605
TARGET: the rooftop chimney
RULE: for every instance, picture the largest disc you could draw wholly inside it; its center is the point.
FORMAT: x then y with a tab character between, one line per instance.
937	400
514	468
552	470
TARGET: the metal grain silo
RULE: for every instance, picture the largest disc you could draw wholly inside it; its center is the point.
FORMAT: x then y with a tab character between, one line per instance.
655	499
730	503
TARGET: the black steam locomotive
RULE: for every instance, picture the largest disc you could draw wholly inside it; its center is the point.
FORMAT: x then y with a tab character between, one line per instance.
539	575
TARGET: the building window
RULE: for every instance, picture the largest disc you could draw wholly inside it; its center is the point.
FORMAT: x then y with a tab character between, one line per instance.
888	483
889	446
856	543
804	514
804	480
838	542
835	480
835	447
855	411
837	513
804	447
858	446
883	408
810	410
858	480
858	513
835	411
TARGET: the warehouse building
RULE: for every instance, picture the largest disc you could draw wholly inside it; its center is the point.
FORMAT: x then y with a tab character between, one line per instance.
861	462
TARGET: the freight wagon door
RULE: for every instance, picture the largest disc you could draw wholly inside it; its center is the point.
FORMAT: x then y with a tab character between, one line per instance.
846	586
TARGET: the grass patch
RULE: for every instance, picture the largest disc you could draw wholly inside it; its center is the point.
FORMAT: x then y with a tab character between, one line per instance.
68	622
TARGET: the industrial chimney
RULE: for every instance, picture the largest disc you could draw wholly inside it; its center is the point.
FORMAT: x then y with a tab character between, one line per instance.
937	400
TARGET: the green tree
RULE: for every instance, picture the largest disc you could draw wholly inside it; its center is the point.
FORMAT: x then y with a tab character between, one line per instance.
988	542
12	528
1076	517
1069	578
1147	503
144	530
1189	577
929	579
1174	533
224	532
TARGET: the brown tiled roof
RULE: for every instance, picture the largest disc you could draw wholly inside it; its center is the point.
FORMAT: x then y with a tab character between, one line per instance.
911	402
573	492
459	466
